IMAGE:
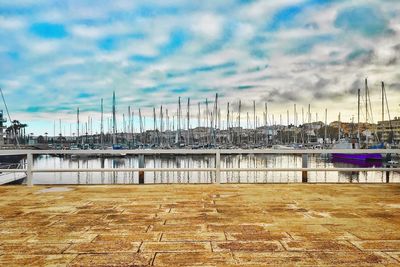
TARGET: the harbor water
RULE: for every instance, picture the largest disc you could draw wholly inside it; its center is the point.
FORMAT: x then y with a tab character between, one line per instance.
203	161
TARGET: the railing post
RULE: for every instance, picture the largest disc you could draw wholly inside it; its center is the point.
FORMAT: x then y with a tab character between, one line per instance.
218	167
387	173
141	165
304	164
29	163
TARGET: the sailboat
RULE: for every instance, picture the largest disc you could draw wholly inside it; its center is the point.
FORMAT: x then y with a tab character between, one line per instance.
8	159
347	143
352	144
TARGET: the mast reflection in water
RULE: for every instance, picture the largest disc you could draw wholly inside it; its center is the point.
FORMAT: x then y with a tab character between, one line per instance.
204	161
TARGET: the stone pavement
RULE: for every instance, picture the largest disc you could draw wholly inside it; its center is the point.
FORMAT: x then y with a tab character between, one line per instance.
207	225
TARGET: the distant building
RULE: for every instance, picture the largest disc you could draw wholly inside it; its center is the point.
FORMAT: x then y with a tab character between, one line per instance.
389	130
348	128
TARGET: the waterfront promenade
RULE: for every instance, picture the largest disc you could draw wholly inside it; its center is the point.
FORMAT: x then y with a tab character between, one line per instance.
207	225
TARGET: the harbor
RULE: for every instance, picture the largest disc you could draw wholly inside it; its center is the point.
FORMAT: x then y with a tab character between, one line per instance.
205	133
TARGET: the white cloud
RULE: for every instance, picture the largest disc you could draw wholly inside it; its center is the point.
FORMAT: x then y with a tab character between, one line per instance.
76	63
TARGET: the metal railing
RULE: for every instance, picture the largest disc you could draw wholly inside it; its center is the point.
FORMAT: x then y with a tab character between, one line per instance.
29	170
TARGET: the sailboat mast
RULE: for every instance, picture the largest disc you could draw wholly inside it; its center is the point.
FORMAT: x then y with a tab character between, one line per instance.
266	123
215	119
254	121
188	121
339	126
240	130
227	117
77	124
358	115
114	120
101	125
326	124
383	109
366	100
128	130
198	118
161	125
295	124
179	121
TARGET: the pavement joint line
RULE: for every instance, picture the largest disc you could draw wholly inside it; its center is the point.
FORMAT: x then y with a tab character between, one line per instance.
356	246
161	236
226	237
140	247
153	258
149	227
284	248
387	253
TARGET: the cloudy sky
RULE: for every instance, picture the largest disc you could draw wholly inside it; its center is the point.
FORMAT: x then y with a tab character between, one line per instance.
56	56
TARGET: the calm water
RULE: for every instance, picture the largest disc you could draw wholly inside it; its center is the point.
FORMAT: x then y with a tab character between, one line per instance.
203	161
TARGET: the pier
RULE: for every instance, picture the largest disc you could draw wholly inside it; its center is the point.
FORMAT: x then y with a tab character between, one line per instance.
212	225
216	169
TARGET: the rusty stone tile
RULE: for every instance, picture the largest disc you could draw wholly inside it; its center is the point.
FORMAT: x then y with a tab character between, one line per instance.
104	247
58	228
72	237
254	246
183	210
175	247
378	245
193	259
193	236
32	248
137	210
274	258
236	228
57	260
36	260
117	259
119	230
380	235
283	225
355	258
322	236
137	237
346	215
176	228
260	236
325	245
98	211
14	237
198	220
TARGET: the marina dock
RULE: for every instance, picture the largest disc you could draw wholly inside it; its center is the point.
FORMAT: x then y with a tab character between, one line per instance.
205	225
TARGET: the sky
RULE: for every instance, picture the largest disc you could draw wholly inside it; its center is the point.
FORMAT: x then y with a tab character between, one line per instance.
56	56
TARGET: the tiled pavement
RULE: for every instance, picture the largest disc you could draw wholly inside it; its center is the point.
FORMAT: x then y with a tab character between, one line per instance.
207	225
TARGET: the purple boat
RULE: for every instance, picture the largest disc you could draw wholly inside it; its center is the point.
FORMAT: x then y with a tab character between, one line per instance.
345	162
345	144
360	157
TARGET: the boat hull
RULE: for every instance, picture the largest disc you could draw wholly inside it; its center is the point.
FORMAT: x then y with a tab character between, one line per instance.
358	157
11	158
340	163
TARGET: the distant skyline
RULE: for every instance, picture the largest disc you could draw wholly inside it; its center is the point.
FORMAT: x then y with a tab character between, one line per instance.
56	56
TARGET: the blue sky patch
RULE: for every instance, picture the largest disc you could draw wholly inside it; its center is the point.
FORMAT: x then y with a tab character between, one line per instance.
366	20
48	30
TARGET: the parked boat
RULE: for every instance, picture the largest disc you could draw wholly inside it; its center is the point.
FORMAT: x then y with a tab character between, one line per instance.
8	159
346	144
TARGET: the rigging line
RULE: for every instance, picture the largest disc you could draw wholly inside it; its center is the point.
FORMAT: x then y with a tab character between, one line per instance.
370	108
362	115
387	108
9	117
